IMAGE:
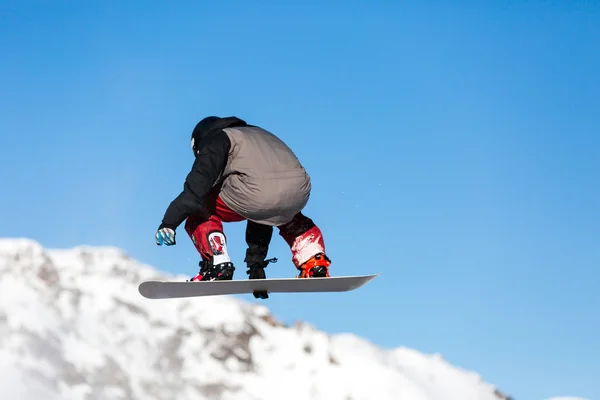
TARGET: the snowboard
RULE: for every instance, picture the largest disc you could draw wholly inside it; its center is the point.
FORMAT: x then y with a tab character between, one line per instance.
173	290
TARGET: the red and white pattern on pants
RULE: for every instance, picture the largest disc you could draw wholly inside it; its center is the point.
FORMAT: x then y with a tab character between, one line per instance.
204	231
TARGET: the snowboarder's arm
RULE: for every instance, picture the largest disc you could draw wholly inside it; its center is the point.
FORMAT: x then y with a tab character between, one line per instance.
207	167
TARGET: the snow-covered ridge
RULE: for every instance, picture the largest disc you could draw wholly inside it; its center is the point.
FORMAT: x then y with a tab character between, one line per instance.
73	326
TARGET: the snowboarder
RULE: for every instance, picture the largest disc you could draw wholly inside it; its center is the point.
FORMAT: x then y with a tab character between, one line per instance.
243	172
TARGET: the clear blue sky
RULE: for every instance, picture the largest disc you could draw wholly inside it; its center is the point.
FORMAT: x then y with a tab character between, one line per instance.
455	149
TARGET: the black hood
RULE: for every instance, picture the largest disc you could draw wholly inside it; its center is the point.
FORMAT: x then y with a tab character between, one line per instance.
209	127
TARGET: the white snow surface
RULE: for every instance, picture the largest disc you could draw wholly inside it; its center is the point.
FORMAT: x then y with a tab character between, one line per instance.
74	327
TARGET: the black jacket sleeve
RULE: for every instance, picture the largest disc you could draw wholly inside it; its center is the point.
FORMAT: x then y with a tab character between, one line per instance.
210	162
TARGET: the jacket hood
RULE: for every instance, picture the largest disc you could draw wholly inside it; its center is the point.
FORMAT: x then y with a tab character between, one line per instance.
209	127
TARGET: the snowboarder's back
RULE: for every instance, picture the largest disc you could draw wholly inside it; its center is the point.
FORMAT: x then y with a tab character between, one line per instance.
263	179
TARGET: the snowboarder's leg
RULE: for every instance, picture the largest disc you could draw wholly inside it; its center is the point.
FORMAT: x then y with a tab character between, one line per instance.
206	232
307	245
258	238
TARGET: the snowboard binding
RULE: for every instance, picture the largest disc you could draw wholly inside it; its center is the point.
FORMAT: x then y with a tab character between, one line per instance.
210	272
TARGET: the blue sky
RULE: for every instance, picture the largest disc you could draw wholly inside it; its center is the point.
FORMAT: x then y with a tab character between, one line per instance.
455	149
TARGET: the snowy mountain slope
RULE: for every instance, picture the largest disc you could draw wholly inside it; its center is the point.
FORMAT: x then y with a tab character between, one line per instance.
73	326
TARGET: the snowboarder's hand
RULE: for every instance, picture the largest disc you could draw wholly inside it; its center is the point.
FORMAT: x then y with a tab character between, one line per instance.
165	236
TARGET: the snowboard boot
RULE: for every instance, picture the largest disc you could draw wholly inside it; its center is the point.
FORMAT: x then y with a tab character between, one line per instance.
316	267
209	272
256	270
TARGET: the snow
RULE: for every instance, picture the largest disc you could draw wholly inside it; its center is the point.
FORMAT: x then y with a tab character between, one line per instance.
73	326
16	385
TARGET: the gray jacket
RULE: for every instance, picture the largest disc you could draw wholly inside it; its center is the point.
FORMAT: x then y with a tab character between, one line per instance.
257	175
263	179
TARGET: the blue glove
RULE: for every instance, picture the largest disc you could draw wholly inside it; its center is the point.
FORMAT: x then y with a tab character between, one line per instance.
165	236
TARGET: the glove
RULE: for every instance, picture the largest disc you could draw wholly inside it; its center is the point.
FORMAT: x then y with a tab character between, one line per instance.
257	271
165	236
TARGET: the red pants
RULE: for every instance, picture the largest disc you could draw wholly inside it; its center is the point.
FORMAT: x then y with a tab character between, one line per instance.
301	234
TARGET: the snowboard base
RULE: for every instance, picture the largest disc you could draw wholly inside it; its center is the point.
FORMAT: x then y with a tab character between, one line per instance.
173	290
